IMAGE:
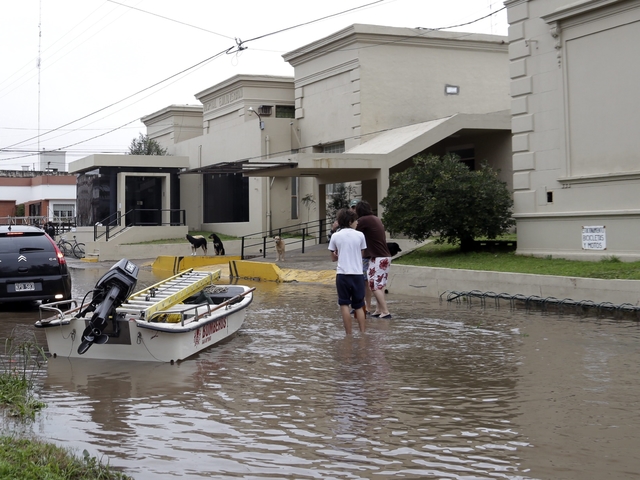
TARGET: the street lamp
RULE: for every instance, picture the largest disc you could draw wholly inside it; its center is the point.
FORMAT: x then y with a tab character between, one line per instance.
261	124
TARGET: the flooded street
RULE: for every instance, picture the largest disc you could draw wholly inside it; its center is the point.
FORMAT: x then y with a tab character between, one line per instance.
442	391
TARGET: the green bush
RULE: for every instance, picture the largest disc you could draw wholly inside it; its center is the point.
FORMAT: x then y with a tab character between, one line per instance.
441	196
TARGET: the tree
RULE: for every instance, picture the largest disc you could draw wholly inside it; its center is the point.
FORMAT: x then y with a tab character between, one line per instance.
143	145
340	198
443	197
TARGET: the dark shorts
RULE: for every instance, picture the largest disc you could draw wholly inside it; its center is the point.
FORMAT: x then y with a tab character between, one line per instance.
350	290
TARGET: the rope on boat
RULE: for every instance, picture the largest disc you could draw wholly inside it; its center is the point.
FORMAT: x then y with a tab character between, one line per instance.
543	303
212	289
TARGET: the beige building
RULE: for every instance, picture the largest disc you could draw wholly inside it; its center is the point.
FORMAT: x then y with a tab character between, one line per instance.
361	103
576	110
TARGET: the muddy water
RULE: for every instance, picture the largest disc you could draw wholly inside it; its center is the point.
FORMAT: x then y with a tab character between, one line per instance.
440	391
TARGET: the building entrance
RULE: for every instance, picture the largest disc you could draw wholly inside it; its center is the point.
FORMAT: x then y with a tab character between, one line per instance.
143	200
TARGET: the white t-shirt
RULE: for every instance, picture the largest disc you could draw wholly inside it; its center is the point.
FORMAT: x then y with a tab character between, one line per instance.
349	244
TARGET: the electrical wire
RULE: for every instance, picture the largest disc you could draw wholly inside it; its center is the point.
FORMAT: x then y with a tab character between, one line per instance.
461	24
171	19
122	100
240	45
311	21
55	60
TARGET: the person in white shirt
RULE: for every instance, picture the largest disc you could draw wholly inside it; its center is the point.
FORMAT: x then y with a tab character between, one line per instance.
346	246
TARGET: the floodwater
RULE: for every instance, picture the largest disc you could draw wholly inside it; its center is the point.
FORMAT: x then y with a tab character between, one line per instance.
442	391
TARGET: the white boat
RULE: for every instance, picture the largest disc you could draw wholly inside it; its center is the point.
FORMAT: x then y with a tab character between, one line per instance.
166	322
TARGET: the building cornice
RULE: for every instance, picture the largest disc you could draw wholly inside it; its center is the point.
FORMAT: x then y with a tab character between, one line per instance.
608	177
582	7
172	111
366	35
241	81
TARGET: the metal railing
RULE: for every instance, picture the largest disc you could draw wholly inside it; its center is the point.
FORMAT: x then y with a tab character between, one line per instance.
61	224
304	234
118	222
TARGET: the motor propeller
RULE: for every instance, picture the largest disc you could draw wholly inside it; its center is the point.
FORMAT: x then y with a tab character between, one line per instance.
110	292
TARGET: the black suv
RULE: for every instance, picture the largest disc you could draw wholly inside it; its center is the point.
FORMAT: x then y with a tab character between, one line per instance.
31	266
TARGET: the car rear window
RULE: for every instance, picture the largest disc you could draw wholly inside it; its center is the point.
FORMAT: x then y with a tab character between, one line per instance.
13	243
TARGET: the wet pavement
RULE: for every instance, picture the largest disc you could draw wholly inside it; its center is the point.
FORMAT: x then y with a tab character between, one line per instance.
441	391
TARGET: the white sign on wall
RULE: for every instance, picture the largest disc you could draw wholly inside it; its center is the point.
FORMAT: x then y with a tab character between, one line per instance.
594	238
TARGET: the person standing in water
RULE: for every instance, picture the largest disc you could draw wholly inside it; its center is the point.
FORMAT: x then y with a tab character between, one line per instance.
347	246
378	254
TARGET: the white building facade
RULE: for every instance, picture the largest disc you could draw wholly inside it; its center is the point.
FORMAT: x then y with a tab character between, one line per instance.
576	109
361	103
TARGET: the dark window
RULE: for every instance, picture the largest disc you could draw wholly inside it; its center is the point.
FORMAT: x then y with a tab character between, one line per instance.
467	156
285	111
226	198
294	198
34	210
549	197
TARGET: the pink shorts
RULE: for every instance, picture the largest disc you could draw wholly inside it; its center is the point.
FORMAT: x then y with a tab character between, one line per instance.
378	272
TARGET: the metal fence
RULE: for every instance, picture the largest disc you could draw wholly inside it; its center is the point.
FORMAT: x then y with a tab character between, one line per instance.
304	234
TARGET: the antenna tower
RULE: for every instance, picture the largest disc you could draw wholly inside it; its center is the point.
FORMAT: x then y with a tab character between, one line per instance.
39	61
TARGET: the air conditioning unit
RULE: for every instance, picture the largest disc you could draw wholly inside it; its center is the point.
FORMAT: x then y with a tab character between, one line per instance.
265	109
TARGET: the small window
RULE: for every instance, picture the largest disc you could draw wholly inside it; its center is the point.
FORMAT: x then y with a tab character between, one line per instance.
337	147
285	111
62	210
549	197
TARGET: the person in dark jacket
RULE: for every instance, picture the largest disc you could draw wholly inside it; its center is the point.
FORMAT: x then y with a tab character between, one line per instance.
50	229
378	254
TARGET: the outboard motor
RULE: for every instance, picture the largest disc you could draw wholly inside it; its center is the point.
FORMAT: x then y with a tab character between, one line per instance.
110	292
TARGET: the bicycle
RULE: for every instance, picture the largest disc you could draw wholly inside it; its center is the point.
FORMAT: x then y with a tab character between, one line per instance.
64	246
68	248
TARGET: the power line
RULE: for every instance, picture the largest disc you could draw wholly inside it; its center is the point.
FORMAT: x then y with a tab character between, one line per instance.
234	49
52	62
312	21
170	19
122	100
238	46
462	24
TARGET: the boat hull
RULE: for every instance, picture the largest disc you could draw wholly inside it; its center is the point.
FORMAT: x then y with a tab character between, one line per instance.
136	339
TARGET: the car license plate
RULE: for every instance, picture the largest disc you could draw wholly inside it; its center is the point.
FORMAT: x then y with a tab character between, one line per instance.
25	287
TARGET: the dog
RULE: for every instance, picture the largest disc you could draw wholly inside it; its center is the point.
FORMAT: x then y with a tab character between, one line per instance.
280	248
217	244
197	241
394	248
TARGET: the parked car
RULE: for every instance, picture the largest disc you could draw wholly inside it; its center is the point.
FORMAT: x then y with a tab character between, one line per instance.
31	266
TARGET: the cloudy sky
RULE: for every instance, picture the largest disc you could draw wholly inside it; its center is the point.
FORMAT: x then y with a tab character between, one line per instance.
78	75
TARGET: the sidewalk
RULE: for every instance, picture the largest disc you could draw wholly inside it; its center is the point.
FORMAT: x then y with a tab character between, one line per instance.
315	266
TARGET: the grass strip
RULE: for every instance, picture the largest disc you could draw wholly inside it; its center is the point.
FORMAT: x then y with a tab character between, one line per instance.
35	460
449	256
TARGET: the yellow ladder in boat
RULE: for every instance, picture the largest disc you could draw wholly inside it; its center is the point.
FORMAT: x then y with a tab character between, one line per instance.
168	292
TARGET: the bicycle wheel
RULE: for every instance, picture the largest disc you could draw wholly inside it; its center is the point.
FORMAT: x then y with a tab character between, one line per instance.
78	250
66	248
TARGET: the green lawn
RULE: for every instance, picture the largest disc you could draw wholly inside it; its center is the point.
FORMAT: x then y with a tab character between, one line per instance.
448	256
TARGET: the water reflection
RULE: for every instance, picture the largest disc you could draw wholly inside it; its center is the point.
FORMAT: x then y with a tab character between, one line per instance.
439	392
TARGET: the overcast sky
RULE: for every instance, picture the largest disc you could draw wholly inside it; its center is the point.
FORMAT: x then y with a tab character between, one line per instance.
96	55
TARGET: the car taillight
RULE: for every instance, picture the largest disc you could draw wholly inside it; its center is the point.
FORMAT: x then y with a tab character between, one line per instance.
59	254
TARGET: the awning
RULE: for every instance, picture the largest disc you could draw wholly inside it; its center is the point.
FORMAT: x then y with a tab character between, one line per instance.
242	166
383	149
